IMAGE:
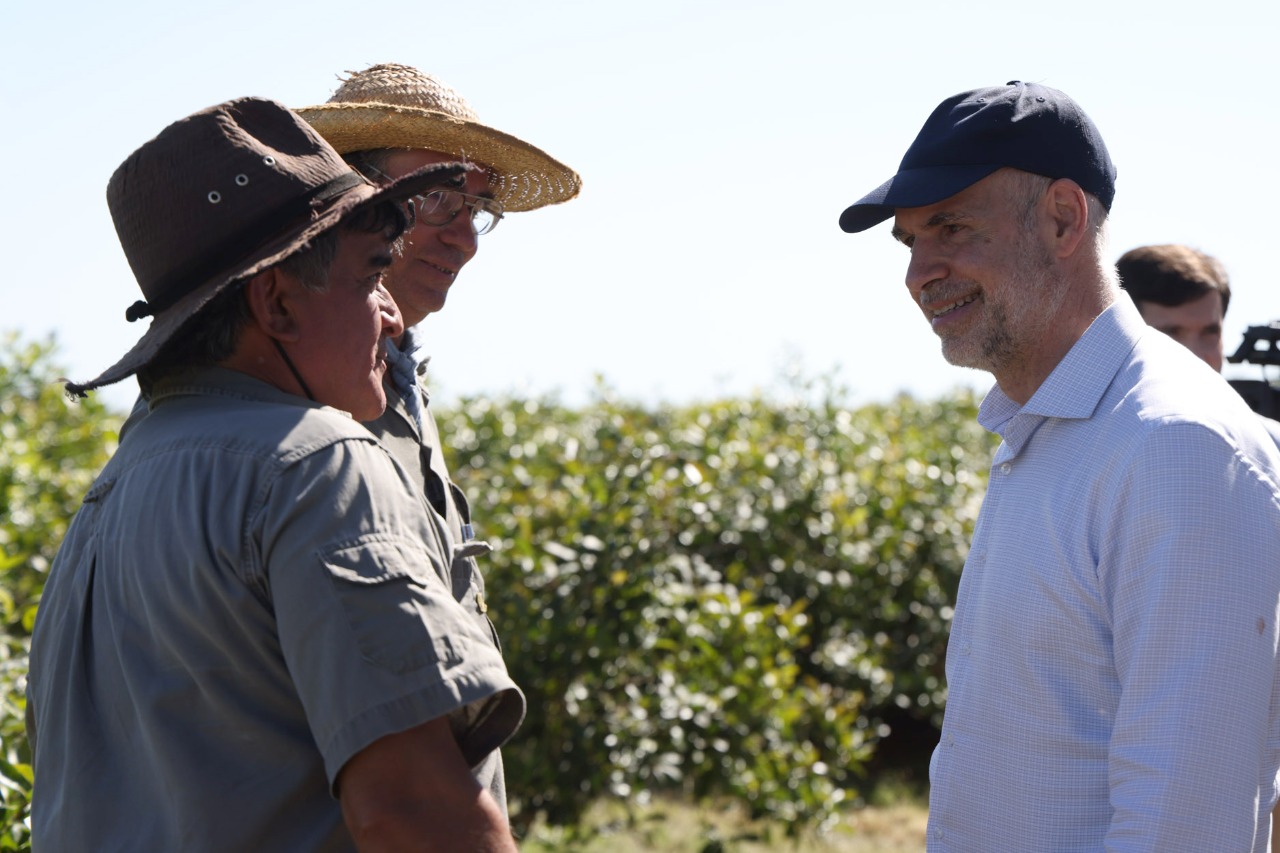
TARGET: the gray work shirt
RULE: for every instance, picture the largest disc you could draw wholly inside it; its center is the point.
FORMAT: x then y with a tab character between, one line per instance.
250	594
418	448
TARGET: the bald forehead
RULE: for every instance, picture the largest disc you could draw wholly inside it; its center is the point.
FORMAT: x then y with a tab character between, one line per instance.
1001	191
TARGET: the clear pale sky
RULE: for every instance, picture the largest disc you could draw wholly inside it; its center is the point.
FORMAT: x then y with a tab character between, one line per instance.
718	143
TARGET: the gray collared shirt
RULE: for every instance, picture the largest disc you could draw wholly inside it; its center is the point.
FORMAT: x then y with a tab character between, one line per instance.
250	594
414	441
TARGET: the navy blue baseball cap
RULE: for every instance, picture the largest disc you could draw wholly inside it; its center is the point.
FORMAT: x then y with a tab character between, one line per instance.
969	136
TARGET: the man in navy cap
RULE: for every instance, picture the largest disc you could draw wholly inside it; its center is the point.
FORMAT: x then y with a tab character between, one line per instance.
1112	662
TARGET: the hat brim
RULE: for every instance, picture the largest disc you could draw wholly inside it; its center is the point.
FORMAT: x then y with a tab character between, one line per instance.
911	188
527	177
168	322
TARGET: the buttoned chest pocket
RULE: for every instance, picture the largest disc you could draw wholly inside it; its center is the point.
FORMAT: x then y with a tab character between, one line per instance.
468	583
399	613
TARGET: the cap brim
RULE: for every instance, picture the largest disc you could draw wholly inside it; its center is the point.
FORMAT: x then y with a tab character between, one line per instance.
168	322
910	188
528	177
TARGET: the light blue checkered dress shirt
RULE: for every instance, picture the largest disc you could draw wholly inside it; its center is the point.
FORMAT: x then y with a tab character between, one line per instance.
1112	662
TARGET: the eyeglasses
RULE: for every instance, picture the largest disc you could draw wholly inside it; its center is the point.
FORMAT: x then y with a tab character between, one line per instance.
440	207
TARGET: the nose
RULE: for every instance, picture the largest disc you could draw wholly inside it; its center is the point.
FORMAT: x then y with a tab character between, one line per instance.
392	321
460	233
925	266
1210	352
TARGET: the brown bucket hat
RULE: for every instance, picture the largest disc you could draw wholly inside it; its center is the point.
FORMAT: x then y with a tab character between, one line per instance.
397	106
220	196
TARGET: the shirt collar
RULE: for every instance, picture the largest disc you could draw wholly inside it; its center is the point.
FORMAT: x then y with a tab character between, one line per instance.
1076	386
224	382
415	343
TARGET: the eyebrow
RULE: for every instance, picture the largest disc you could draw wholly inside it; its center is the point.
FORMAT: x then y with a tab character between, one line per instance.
942	217
1170	328
487	194
462	190
461	186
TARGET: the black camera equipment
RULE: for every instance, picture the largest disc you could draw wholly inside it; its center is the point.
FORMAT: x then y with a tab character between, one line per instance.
1261	345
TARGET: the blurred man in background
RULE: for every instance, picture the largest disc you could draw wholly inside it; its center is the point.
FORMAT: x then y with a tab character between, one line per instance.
1182	292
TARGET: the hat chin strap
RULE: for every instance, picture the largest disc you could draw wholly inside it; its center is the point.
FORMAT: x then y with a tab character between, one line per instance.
288	362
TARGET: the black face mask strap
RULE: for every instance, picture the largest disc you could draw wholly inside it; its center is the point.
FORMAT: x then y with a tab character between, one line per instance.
289	364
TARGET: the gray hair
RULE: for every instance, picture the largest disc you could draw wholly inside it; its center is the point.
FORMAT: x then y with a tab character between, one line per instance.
1026	191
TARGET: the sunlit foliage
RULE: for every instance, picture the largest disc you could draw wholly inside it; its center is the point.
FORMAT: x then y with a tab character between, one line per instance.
50	451
720	600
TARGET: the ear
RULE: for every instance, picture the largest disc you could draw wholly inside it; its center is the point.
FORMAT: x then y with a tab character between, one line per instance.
270	295
1068	210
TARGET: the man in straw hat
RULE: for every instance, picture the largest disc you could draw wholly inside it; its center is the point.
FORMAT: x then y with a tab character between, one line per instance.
249	640
387	121
1111	670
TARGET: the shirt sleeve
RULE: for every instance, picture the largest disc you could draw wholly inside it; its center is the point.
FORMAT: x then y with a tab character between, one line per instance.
1191	568
373	638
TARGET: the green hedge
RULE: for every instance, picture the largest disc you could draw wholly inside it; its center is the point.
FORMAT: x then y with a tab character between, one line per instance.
723	599
50	452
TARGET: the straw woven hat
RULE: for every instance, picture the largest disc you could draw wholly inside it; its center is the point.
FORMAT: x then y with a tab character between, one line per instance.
220	196
396	106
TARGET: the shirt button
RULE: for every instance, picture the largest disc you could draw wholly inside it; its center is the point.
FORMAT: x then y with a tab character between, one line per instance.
951	740
1005	468
966	648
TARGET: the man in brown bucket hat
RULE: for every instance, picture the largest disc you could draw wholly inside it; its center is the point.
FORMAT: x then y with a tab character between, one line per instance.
249	639
388	120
